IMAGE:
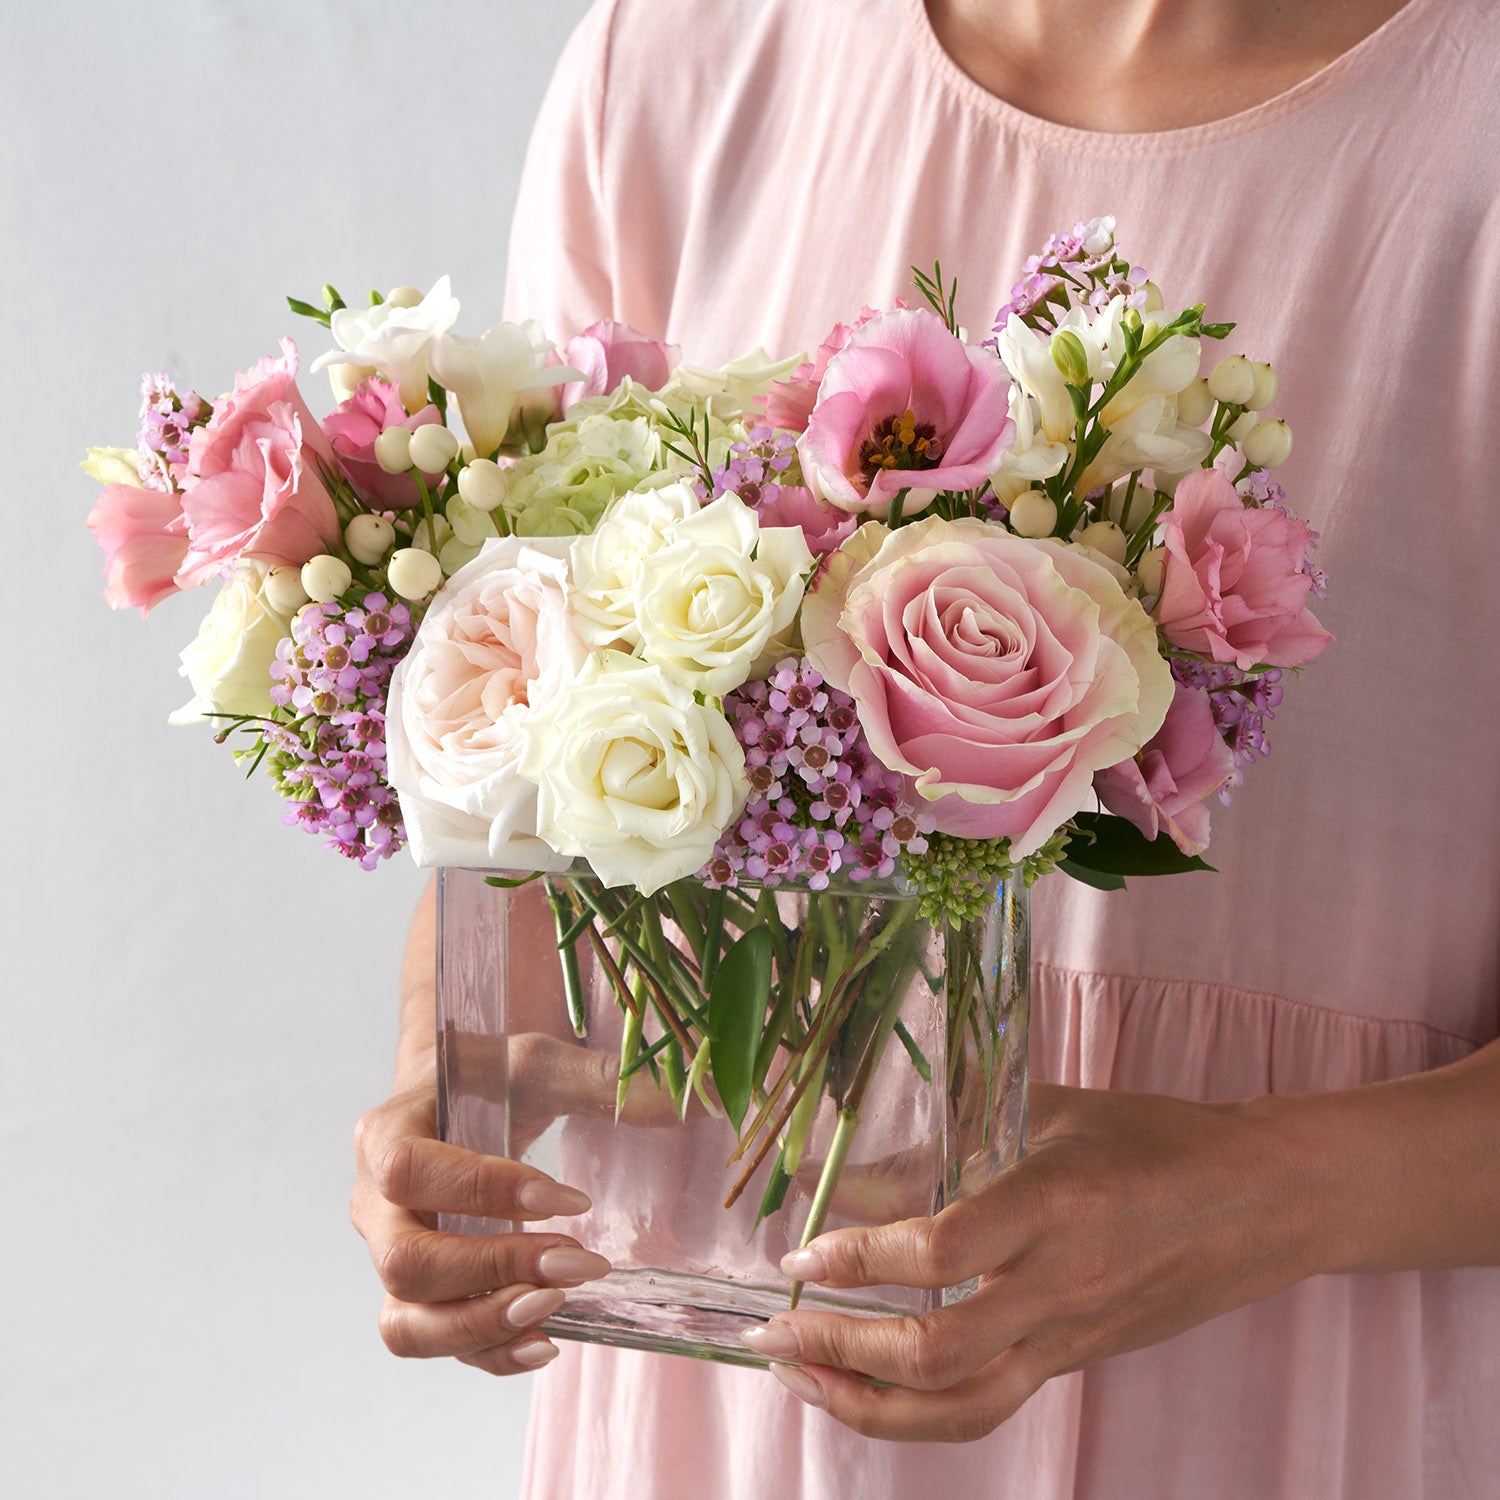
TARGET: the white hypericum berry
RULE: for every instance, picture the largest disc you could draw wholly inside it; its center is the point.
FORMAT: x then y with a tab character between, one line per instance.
1232	380
1265	387
413	573
1268	444
1105	537
433	448
325	577
482	484
1033	513
283	588
1242	426
393	450
369	538
404	296
1195	403
1148	570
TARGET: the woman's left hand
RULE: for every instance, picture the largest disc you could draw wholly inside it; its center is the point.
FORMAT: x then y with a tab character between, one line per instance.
1133	1218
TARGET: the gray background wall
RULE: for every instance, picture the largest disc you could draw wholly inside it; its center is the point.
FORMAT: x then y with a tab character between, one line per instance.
199	1002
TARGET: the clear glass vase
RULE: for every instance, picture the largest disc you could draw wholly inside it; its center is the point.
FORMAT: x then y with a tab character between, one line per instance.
793	1061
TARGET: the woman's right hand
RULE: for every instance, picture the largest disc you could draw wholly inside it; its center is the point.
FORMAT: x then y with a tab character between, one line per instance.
476	1298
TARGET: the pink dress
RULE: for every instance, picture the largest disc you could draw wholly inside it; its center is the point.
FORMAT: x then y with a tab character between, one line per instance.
729	173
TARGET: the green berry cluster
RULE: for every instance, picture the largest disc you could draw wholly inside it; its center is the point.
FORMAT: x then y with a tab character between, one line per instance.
956	878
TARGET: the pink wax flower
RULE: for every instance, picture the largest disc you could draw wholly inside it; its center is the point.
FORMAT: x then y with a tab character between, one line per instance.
1233	586
905	405
789	402
352	429
1164	789
253	484
606	352
997	674
144	538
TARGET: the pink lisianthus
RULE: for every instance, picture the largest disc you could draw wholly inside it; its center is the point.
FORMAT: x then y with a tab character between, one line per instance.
1165	788
144	538
352	429
789	403
1233	586
606	352
998	674
253	487
905	405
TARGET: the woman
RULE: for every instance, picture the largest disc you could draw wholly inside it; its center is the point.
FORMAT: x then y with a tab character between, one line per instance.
1274	1111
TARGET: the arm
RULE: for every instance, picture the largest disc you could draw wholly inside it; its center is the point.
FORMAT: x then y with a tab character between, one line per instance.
1134	1218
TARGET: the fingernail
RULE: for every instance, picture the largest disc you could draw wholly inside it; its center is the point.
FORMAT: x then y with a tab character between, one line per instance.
774	1339
570	1266
804	1265
532	1307
534	1352
800	1384
539	1195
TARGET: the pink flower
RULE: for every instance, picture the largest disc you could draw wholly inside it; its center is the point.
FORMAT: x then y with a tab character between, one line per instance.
998	674
789	402
606	352
824	526
1232	582
144	539
352	429
253	483
904	405
1164	789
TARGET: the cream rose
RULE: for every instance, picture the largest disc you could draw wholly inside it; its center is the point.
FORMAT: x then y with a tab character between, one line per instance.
633	774
498	638
228	664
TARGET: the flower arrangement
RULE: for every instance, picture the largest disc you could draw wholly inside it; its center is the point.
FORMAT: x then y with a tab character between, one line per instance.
915	614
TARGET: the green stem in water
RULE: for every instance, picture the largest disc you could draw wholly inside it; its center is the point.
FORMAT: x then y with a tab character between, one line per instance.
838	1153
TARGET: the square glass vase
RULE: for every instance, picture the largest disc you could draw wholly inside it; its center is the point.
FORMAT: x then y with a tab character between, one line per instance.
727	1074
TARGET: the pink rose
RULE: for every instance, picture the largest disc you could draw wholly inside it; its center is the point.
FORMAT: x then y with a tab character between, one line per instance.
352	429
905	405
606	352
998	674
144	539
1232	582
1164	788
253	487
789	403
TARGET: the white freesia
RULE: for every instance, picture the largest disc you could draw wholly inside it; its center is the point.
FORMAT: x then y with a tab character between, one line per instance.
1027	354
742	380
497	638
488	374
1148	437
393	340
228	663
1031	456
633	774
719	594
607	565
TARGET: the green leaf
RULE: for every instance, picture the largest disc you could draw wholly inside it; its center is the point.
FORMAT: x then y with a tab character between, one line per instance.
775	1195
307	310
1118	847
508	883
1100	882
736	1012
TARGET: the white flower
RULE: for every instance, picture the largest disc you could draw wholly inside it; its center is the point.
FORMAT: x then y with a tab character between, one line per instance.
229	662
719	594
1027	354
633	773
113	466
489	373
742	380
497	638
1148	437
393	340
1031	455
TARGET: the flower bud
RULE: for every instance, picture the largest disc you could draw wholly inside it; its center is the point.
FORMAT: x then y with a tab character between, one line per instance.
482	484
1195	404
1105	537
1033	513
393	450
345	379
1268	444
403	296
369	538
1070	357
1154	301
433	448
1232	380
1148	570
1265	387
413	573
1242	426
283	588
325	577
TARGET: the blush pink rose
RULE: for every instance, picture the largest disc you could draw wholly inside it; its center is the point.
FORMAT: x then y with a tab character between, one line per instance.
905	405
606	352
789	403
998	674
253	488
1165	788
1232	583
352	429
144	538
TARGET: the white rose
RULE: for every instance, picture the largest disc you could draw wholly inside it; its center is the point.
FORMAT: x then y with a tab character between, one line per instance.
497	639
633	773
607	565
393	340
229	662
719	594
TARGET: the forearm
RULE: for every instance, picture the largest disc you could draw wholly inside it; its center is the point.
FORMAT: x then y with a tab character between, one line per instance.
416	1047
